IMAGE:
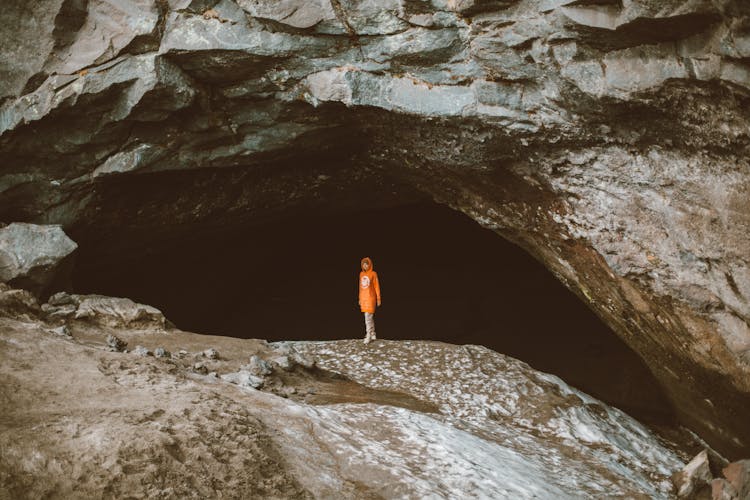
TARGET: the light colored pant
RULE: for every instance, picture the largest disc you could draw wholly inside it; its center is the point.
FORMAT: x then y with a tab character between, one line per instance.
370	325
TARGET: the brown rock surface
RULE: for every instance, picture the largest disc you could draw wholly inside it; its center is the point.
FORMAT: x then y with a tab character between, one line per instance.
721	489
737	475
80	421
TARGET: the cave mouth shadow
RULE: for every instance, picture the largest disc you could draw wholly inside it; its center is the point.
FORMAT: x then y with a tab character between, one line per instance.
443	277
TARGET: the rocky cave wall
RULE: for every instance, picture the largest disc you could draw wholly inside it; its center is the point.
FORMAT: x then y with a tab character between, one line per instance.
607	138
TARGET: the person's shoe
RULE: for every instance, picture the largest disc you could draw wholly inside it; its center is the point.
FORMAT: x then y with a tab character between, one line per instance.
373	337
367	339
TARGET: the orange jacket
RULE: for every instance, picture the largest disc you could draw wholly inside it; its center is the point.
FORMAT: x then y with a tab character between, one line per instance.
369	288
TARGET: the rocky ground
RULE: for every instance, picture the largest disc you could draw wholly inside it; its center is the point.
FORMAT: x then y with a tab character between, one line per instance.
607	138
101	397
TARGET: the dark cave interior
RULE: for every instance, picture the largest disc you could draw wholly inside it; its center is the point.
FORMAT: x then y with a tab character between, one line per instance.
443	278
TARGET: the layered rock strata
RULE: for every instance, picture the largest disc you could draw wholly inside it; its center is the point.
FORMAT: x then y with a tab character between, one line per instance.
609	139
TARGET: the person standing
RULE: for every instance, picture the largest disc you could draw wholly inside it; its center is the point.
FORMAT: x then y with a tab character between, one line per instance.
369	297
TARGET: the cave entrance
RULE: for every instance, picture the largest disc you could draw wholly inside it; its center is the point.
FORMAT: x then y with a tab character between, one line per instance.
443	276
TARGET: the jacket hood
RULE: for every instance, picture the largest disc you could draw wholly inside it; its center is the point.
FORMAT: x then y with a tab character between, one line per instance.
369	262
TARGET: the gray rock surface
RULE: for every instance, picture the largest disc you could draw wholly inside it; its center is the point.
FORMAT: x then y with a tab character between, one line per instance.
244	378
62	331
139	350
211	353
283	362
258	367
115	343
34	257
609	139
114	312
160	352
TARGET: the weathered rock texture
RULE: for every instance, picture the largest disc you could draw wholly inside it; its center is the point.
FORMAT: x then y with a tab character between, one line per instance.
415	419
37	258
106	311
608	138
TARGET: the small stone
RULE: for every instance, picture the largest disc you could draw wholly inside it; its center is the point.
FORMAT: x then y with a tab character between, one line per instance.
182	353
213	375
160	352
116	344
141	351
211	353
61	299
259	367
200	368
62	331
244	378
210	14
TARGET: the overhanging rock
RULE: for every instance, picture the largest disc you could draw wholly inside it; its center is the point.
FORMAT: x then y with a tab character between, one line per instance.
37	258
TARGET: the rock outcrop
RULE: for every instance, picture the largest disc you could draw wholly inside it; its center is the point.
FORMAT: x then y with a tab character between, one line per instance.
695	478
609	139
106	311
695	481
36	258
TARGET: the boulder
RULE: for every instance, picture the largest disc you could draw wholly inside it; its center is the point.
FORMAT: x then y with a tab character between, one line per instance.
61	331
721	489
114	312
118	312
737	475
34	257
694	477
